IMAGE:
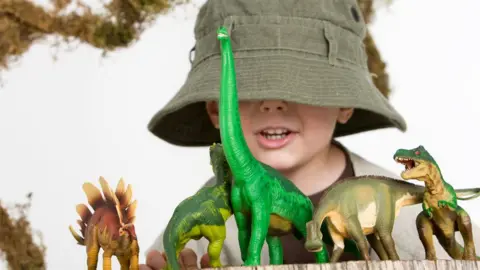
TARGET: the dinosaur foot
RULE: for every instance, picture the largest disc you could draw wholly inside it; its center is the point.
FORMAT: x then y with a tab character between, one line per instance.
314	245
252	262
469	257
431	257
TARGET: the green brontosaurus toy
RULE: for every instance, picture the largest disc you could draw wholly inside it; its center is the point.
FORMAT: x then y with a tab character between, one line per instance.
202	215
364	208
441	215
274	204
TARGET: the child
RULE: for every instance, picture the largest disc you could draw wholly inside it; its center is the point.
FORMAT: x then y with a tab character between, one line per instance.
303	80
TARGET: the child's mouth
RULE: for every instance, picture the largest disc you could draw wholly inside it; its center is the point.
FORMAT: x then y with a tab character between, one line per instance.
275	134
274	138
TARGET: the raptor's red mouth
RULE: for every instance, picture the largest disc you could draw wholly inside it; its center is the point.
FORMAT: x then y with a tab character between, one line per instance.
408	162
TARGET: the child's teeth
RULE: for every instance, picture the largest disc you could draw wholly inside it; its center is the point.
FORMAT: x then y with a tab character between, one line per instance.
275	136
277	131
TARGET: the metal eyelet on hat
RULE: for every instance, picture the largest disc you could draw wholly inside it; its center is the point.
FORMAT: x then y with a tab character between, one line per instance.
355	15
192	52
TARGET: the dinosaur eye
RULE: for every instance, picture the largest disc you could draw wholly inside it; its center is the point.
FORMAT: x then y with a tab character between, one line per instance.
417	153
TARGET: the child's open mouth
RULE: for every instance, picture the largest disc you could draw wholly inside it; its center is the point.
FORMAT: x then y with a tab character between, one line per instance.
275	134
272	138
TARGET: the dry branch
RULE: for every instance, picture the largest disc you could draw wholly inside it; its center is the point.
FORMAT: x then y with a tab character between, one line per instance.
22	23
17	245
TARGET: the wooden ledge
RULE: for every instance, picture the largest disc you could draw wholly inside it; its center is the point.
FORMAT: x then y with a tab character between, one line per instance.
371	265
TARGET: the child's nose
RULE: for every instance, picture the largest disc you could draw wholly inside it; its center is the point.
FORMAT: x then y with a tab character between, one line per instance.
273	106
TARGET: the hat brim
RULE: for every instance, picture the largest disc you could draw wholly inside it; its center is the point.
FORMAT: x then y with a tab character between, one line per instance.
281	74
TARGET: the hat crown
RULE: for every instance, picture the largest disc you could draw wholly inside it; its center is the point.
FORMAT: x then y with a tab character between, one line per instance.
343	13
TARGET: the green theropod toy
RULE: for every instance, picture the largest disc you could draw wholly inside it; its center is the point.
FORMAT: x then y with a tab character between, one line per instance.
260	196
202	215
364	209
441	215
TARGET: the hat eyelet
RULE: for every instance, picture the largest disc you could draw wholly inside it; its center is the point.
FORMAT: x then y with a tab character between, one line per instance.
355	14
191	54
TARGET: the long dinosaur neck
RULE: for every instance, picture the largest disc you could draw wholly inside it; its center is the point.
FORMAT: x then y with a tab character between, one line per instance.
323	210
239	157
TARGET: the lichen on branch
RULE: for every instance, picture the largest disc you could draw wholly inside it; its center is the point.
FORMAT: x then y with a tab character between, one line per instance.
17	245
23	22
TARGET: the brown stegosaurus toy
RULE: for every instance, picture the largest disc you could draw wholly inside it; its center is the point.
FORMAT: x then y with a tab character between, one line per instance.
109	227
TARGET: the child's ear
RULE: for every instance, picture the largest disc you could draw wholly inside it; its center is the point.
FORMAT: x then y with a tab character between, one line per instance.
344	115
212	111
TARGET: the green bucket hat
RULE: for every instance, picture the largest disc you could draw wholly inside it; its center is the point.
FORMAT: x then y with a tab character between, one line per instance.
308	52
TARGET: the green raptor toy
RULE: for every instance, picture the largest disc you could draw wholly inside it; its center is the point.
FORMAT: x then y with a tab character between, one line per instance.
364	208
202	215
441	215
260	194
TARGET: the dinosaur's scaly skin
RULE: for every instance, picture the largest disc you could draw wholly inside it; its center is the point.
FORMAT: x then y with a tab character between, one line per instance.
274	204
110	227
202	215
364	209
441	215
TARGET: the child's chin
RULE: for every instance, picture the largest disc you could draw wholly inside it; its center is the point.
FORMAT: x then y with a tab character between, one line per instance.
279	161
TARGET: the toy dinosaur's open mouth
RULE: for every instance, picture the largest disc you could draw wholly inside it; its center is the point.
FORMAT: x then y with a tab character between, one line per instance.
408	162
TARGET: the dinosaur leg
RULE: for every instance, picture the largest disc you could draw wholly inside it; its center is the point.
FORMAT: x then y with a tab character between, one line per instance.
275	249
338	244
425	232
124	262
107	260
242	222
133	261
377	245
389	245
214	251
465	227
260	222
355	230
93	248
216	237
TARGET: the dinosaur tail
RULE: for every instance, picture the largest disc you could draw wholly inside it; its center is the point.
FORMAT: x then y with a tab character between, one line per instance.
170	242
85	216
80	239
467	193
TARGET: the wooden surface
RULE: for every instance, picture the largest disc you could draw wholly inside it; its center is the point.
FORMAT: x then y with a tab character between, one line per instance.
372	265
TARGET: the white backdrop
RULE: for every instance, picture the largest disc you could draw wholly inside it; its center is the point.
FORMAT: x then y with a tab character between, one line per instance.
66	122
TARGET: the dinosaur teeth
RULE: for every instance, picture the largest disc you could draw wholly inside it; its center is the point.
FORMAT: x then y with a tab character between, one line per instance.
408	162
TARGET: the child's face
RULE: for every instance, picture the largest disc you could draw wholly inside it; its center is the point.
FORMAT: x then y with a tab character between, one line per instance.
286	135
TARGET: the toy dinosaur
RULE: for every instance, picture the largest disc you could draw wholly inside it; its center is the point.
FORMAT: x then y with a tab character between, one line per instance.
202	215
441	215
274	204
109	227
364	208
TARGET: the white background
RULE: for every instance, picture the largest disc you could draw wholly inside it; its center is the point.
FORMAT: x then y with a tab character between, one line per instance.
66	122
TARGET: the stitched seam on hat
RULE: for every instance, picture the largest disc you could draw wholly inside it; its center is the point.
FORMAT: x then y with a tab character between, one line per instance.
341	63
